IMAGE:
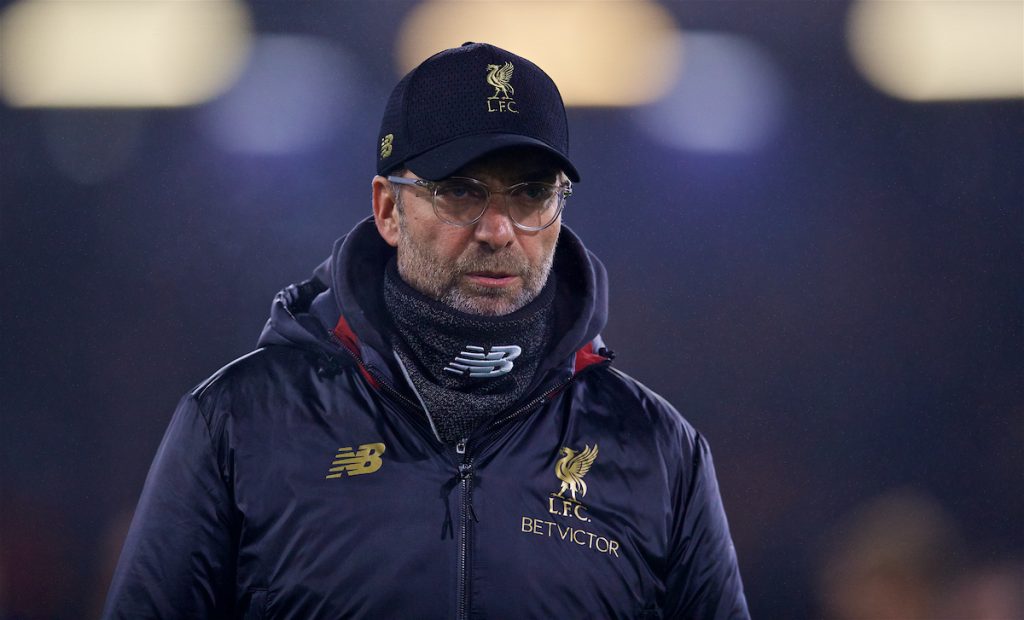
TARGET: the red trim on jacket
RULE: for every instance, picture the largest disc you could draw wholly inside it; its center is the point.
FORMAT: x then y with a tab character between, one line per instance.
348	339
586	357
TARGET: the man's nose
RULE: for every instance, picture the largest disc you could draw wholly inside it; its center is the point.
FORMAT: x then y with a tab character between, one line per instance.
495	228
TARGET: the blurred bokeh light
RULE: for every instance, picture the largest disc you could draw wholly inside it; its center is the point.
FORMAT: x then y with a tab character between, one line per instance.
599	53
120	54
293	95
728	97
940	50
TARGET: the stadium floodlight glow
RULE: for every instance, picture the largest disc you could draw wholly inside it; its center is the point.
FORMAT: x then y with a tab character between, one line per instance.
599	53
922	50
730	98
96	53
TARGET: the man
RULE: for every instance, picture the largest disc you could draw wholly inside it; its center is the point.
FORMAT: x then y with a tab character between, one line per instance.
431	427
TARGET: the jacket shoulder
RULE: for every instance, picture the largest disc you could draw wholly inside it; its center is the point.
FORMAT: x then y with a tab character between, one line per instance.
632	398
251	367
260	376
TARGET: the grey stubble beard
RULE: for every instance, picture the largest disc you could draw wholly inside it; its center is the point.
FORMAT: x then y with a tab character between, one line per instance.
441	282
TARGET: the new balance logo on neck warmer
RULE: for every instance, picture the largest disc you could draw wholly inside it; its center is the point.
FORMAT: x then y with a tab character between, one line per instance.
479	363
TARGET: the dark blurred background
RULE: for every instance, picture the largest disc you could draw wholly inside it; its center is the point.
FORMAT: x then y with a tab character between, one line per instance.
818	259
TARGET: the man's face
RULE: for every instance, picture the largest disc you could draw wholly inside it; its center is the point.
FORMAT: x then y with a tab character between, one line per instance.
489	268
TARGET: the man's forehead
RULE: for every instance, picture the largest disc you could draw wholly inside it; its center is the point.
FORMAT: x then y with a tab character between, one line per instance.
512	164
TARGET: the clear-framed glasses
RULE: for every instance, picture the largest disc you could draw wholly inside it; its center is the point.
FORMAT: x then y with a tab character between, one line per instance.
461	201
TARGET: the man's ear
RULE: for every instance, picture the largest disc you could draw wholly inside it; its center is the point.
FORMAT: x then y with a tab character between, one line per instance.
385	212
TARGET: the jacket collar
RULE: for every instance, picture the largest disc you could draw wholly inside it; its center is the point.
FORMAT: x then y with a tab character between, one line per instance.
343	302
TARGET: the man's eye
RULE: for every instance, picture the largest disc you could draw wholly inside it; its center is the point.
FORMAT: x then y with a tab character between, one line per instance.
458	191
535	191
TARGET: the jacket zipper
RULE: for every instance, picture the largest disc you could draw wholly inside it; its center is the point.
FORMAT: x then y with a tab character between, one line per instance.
465	532
466	482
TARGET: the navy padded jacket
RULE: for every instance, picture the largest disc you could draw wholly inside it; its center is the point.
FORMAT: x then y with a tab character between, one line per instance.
304	481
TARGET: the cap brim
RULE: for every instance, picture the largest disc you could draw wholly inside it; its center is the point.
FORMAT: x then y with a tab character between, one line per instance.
444	160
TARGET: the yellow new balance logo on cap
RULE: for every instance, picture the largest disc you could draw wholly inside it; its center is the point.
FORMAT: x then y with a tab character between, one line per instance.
365	460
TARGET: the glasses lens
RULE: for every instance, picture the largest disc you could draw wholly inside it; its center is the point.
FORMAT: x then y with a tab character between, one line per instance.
534	205
460	201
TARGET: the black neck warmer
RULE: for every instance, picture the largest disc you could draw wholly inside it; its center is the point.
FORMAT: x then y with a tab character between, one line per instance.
466	368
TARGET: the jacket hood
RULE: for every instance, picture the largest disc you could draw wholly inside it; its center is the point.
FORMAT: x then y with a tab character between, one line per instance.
349	285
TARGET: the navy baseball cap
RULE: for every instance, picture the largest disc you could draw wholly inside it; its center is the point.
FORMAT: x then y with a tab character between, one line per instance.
465	102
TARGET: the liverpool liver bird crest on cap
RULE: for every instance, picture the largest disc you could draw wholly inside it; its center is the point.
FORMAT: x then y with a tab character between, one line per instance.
571	468
499	78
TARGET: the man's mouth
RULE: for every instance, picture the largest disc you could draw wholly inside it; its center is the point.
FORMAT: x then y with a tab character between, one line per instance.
495	279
